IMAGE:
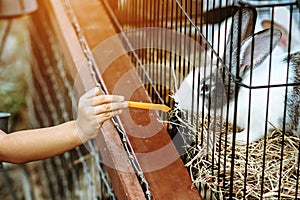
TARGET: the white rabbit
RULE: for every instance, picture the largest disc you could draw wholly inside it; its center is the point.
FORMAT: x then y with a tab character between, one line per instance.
217	89
184	94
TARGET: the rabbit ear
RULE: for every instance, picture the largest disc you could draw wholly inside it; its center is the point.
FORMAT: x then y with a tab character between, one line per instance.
243	24
261	48
285	34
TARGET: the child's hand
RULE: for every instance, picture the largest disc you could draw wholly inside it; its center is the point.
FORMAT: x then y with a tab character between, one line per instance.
94	109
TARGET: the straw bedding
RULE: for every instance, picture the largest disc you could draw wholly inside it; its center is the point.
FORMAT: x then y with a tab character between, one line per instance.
209	160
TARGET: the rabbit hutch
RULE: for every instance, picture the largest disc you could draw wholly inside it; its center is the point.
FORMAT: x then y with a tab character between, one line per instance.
228	69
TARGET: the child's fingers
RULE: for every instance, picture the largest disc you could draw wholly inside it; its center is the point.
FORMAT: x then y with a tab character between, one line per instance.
109	107
101	118
104	99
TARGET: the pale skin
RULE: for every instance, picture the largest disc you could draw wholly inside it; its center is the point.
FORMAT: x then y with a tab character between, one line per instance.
36	144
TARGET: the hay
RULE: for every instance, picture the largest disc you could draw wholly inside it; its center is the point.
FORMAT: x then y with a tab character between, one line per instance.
209	161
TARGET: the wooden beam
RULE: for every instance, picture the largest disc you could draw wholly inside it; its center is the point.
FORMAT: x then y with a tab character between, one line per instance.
156	153
126	185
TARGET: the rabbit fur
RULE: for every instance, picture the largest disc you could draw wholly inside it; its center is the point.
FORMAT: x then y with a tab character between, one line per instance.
212	89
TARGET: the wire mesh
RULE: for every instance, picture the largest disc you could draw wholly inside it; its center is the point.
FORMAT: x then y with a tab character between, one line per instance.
235	100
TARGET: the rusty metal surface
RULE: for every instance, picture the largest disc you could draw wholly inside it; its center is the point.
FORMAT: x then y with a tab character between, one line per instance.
157	155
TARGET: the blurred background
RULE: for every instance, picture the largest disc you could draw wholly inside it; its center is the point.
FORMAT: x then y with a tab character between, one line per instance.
14	70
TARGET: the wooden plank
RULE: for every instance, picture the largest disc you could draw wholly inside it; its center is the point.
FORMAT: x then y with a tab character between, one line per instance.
157	155
126	185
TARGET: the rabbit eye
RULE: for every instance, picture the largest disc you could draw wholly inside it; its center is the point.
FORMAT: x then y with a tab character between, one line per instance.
204	87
